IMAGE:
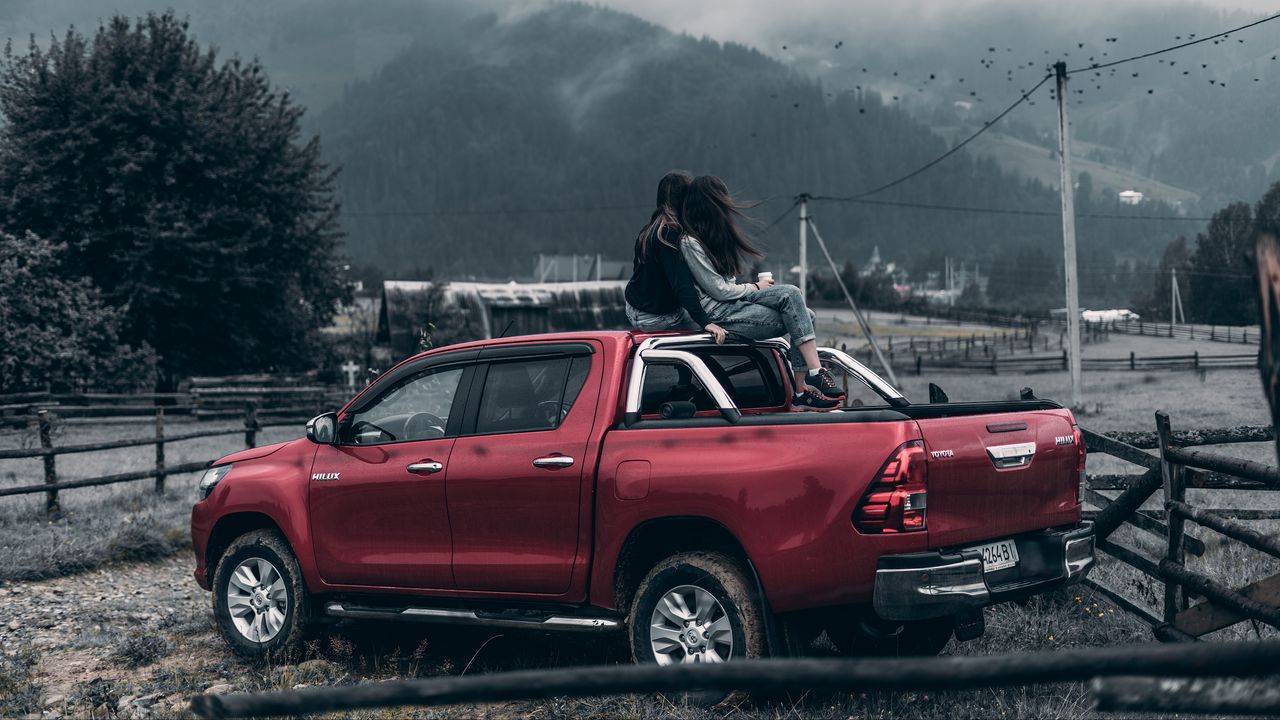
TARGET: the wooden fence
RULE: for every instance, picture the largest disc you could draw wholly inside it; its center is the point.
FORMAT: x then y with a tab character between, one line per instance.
1176	467
995	363
48	453
1245	335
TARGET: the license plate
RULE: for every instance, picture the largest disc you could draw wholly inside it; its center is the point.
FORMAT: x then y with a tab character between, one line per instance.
998	555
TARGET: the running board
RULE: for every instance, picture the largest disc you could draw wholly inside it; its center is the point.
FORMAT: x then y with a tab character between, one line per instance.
470	617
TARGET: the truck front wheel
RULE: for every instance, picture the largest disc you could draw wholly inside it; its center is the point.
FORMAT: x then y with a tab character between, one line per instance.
259	601
696	607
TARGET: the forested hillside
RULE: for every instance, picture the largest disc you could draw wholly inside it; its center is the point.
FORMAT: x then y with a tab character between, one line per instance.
547	134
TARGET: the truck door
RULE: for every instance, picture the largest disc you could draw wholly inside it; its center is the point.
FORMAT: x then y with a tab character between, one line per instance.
377	501
520	474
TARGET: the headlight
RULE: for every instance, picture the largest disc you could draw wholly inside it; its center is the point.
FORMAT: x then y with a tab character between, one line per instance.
211	478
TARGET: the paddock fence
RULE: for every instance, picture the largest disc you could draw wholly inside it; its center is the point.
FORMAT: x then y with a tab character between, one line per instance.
253	422
985	361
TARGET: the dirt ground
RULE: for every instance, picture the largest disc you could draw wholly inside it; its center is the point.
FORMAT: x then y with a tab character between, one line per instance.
138	641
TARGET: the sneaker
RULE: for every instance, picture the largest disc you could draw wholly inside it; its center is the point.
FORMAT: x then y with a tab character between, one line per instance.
810	401
824	385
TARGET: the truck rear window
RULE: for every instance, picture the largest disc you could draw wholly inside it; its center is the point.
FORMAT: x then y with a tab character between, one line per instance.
749	375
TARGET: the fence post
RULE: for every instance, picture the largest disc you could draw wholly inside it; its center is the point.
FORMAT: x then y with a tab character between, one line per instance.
1228	333
995	367
250	425
160	451
1133	361
1064	358
1174	489
919	362
45	425
1196	359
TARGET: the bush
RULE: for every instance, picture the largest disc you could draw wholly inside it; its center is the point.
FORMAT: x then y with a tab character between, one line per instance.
138	650
57	331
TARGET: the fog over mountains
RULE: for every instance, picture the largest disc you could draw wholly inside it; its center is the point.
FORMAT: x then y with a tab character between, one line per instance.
473	135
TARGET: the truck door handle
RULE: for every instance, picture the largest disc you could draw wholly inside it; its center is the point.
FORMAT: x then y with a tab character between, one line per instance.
553	462
427	467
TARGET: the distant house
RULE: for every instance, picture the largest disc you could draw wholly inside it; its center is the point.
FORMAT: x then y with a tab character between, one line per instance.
496	309
1131	197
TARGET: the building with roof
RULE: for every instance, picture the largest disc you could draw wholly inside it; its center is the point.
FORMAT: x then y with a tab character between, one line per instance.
501	309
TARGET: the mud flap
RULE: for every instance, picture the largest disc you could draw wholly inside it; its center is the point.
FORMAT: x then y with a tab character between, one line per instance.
970	625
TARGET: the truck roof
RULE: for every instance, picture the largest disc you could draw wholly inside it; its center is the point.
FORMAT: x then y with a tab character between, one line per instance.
633	336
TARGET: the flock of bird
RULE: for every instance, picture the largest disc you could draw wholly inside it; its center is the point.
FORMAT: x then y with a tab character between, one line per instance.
1096	75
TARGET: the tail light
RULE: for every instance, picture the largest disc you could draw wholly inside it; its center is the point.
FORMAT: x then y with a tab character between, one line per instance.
896	500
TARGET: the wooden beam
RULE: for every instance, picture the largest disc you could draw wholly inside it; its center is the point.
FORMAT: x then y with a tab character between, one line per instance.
1209	616
1179	696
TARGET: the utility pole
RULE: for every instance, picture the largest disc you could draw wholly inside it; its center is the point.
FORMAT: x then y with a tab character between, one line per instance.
1069	235
1175	299
804	246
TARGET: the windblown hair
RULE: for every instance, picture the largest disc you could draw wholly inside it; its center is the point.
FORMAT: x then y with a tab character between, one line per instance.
666	216
711	215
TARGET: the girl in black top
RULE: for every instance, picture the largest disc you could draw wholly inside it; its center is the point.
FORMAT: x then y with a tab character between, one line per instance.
662	294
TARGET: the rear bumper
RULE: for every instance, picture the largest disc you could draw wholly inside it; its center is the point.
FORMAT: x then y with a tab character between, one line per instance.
926	585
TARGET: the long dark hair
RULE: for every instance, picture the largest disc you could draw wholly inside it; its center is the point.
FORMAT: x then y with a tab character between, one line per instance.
666	216
711	215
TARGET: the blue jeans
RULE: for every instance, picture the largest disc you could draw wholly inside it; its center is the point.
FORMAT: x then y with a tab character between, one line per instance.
649	322
770	313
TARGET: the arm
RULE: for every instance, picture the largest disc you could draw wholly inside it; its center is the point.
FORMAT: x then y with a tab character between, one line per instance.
715	285
682	283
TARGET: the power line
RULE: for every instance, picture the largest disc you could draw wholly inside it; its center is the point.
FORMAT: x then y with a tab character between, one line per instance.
1000	211
1171	48
780	218
497	211
985	126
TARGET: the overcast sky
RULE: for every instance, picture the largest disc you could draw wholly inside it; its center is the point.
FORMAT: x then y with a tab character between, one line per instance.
756	22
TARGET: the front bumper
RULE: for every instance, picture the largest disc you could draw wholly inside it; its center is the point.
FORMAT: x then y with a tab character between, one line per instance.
926	585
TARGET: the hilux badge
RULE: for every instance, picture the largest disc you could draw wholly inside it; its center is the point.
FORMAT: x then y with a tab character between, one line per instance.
324	476
1065	440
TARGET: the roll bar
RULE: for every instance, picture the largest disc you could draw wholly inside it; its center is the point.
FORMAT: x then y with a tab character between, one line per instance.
667	348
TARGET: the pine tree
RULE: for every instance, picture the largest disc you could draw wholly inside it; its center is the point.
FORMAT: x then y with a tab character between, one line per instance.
180	185
1221	266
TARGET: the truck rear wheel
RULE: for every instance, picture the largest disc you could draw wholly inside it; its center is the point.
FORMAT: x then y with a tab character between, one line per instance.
696	607
864	637
259	601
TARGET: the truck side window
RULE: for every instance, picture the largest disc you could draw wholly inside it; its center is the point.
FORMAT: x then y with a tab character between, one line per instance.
415	409
530	395
665	383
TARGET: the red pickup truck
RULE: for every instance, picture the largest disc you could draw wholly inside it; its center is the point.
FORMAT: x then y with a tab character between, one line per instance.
656	484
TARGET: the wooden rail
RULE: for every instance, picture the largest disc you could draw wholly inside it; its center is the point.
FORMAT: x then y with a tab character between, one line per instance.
1251	659
159	472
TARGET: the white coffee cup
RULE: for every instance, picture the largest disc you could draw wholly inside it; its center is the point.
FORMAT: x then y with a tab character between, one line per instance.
764	276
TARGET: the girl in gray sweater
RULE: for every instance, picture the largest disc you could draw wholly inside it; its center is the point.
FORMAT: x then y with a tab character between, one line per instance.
716	251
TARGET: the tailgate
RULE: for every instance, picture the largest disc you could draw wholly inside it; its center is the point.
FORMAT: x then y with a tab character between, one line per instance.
996	475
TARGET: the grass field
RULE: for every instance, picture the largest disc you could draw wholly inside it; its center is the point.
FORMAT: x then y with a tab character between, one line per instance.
93	610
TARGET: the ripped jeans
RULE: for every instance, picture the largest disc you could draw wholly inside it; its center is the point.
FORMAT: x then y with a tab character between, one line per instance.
767	314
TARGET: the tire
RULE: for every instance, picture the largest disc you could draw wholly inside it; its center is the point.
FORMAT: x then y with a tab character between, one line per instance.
862	637
259	600
712	585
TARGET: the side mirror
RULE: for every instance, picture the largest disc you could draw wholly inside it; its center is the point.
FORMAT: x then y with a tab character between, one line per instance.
323	429
937	395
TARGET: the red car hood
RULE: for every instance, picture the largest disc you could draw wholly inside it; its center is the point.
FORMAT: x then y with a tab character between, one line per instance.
255	452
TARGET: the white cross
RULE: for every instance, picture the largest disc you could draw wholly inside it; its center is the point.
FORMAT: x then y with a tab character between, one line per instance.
349	368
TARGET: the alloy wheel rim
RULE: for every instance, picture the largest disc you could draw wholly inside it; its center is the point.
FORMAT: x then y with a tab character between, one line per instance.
257	599
690	626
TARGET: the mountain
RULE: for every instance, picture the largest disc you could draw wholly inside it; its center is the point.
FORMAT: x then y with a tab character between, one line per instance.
547	132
